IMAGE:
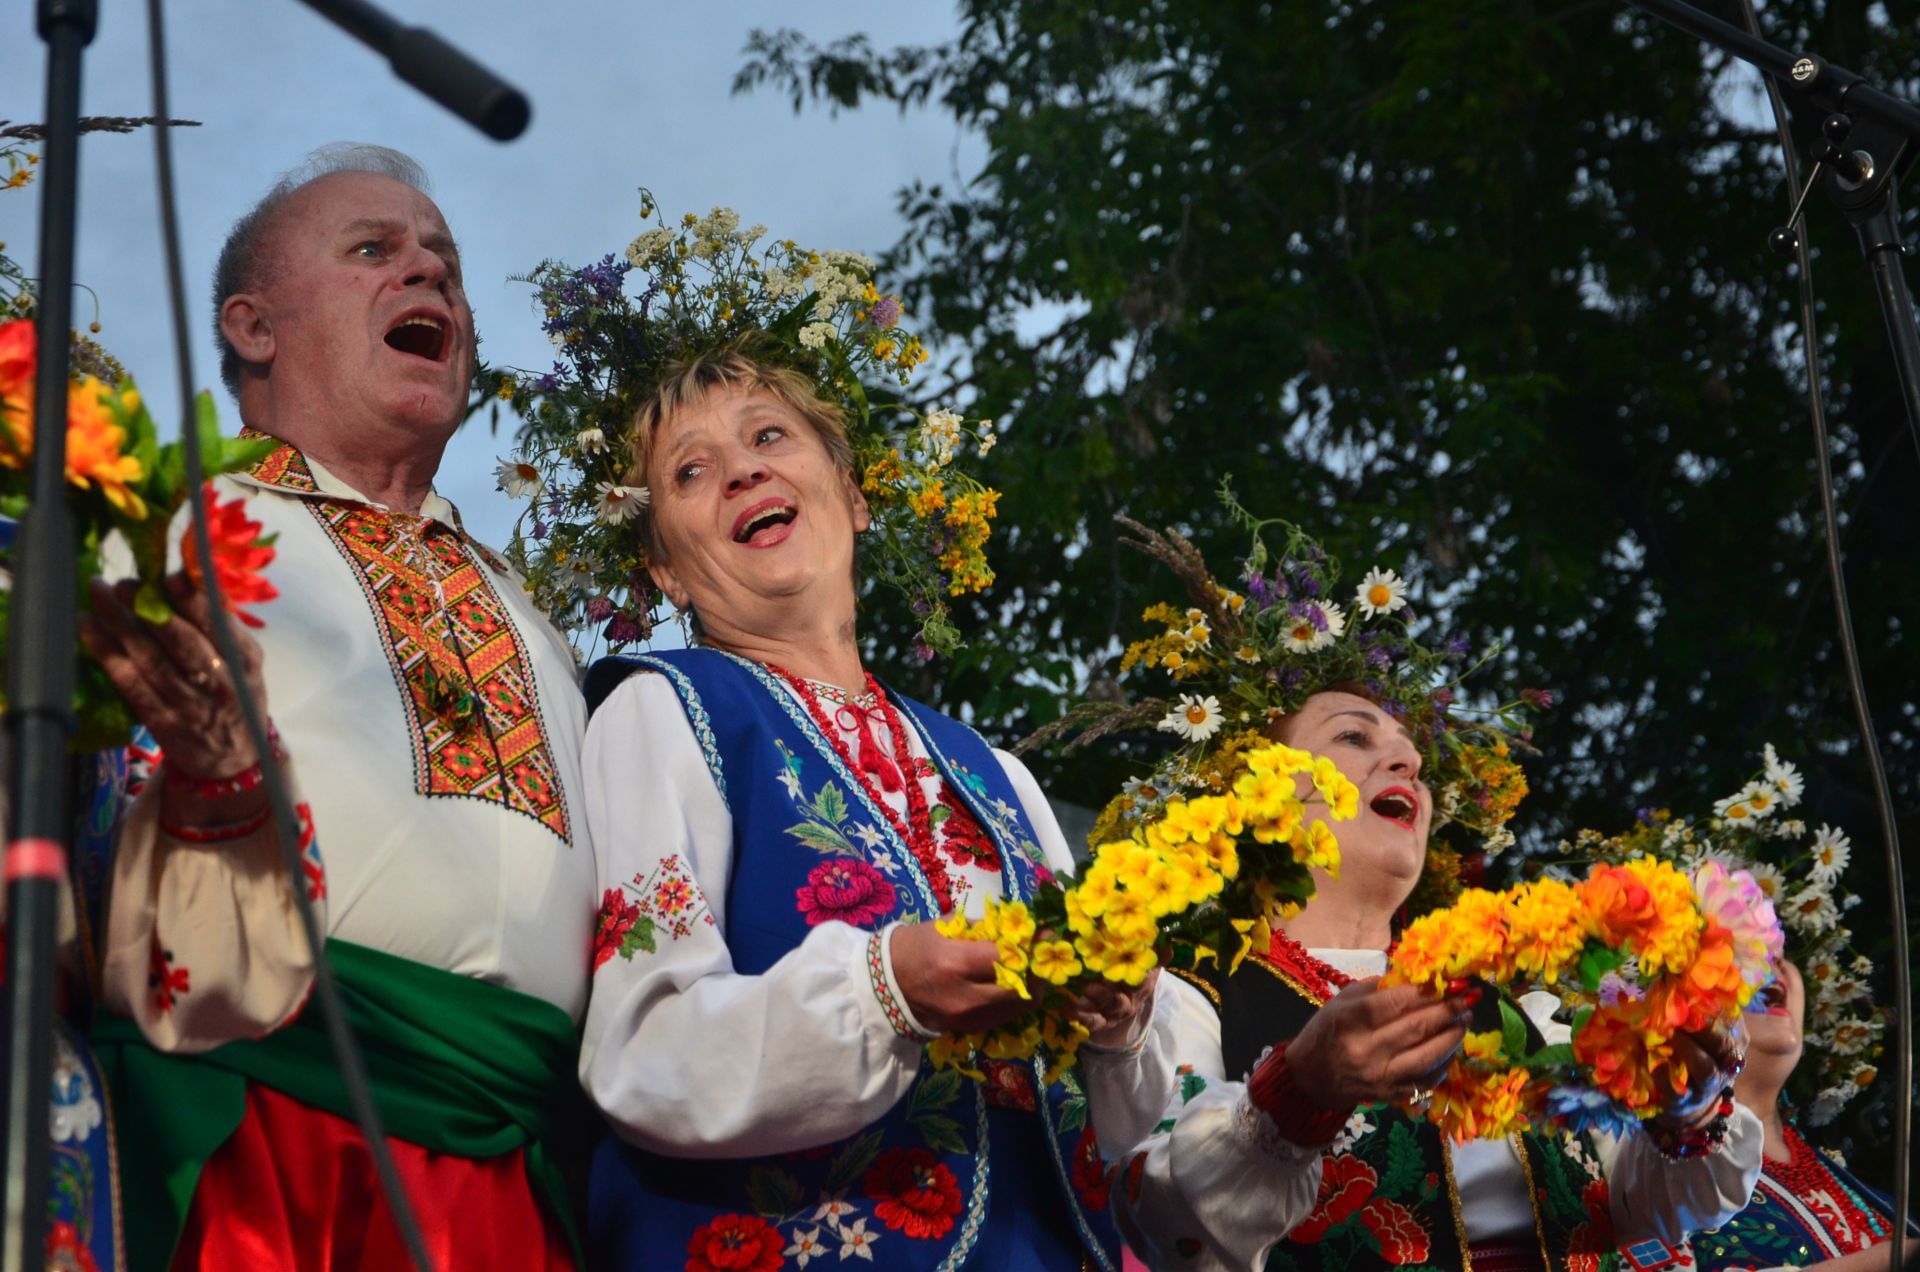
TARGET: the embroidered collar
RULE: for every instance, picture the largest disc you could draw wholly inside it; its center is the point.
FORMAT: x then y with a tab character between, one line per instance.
865	700
288	469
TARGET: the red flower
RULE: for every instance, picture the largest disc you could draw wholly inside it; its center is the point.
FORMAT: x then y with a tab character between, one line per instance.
913	1193
1089	1179
616	920
734	1243
1401	1238
1588	1241
846	889
961	837
239	554
1346	1183
464	761
16	391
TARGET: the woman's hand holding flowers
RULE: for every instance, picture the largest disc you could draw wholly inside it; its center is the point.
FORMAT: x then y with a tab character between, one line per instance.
1370	1045
949	983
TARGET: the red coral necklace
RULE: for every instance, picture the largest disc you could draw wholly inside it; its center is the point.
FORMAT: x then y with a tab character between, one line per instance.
870	768
1320	980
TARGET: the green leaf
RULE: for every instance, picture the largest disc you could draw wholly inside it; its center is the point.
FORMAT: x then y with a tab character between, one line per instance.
936	1092
151	604
938	814
852	1161
1405	1166
942	1133
638	937
830	803
772	1192
1073	1114
820	838
1557	1056
1513	1032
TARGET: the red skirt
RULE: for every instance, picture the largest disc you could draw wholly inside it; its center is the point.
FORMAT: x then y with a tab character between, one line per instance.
294	1190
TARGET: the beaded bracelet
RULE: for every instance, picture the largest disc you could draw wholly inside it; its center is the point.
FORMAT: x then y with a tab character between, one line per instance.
214	789
1295	1114
1680	1143
218	834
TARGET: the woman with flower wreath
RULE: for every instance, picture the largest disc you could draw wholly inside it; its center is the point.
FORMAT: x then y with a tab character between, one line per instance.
1282	1145
772	828
1807	1209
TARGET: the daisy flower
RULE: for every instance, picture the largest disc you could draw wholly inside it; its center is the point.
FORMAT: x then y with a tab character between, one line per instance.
519	478
1769	879
1811	909
1784	777
1381	592
619	504
591	441
1831	851
1314	626
1195	719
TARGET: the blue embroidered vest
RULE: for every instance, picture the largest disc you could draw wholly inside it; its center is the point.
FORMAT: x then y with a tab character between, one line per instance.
941	1179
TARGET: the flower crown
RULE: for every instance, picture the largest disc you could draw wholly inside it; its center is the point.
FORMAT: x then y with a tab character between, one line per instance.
1801	875
1238	660
705	286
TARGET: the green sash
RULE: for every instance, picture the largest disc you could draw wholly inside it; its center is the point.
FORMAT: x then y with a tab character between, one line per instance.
458	1066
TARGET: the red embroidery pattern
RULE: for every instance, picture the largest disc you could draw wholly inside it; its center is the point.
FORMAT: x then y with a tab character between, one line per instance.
164	979
961	837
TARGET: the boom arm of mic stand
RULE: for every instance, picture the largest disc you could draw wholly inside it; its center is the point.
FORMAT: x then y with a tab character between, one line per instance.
435	67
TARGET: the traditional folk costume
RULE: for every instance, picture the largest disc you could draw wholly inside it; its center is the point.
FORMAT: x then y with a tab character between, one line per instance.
435	721
1805	1210
1215	1185
758	837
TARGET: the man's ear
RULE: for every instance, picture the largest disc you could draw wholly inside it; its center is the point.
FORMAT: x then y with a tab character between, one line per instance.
247	328
862	515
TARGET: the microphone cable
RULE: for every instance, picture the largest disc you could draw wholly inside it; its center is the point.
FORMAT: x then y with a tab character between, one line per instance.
353	1070
1856	683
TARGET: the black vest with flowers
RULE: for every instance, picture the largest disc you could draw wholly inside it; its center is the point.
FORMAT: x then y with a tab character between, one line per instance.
911	1190
1387	1195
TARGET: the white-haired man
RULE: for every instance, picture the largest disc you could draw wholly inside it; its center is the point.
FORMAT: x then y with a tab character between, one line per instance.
435	722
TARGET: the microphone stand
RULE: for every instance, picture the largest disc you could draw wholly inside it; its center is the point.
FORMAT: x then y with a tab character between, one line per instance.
40	671
41	644
1871	139
1870	146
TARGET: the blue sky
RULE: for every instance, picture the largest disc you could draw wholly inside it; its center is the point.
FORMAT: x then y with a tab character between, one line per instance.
624	94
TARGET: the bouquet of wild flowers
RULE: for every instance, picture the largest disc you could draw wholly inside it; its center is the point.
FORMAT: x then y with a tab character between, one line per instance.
1638	953
1202	880
696	287
123	482
1801	873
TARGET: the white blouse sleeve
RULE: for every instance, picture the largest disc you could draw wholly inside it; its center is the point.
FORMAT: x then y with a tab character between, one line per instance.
686	1056
1202	1180
1653	1195
204	944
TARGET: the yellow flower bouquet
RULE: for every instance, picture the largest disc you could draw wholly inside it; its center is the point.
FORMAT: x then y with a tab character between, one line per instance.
1202	880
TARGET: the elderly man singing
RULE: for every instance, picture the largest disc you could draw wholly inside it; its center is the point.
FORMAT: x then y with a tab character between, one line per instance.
434	723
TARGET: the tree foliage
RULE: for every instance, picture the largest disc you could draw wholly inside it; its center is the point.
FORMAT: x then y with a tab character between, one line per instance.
1478	289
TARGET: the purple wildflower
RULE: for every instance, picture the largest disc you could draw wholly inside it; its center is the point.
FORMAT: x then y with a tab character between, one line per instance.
539	528
1293	677
1443	697
599	609
1541	698
884	313
1457	645
923	652
623	629
1379	659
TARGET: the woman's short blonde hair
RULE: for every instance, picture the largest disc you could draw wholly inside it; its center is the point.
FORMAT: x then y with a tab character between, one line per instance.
690	384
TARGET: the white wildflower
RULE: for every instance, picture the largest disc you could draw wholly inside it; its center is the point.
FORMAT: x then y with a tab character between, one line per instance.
1784	777
1195	719
1831	852
1811	910
1381	592
816	334
618	504
1827	1105
940	433
648	246
591	441
519	478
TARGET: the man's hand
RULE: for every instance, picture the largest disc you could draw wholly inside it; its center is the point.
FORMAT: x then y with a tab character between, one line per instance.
173	680
1712	1058
1370	1045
